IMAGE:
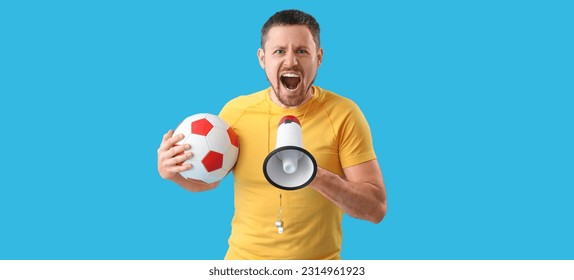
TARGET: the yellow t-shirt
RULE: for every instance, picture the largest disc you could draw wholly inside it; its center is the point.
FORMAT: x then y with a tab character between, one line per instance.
335	132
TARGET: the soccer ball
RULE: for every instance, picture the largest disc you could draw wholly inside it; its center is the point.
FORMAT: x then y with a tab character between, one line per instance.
214	147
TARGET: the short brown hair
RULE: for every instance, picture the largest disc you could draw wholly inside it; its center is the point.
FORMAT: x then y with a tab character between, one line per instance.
292	17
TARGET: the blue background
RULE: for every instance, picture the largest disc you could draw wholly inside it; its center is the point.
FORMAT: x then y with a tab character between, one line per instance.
470	105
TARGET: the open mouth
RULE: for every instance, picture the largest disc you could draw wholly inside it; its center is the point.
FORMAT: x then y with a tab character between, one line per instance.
290	80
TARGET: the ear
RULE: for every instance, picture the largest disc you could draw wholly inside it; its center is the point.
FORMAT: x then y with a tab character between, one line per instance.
319	57
261	57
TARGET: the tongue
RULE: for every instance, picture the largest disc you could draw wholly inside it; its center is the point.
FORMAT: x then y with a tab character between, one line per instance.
291	82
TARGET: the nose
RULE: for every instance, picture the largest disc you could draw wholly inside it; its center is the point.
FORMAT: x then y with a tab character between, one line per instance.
291	59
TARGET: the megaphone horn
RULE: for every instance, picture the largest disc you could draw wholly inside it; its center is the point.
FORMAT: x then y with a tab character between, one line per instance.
289	166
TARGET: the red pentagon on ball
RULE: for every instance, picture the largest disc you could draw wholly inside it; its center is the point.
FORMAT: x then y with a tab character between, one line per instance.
233	137
201	127
212	161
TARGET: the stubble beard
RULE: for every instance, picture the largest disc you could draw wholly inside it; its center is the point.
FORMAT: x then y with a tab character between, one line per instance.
293	100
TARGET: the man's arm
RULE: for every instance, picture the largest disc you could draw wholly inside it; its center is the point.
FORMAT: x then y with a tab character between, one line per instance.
360	194
168	160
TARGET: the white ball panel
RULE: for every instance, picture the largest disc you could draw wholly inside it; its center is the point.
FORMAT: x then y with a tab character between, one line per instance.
196	172
196	117
230	157
218	140
199	146
217	121
215	176
183	128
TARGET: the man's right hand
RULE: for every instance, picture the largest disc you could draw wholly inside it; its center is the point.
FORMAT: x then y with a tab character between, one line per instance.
170	156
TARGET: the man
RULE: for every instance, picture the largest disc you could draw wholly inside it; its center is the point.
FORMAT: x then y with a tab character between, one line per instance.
334	130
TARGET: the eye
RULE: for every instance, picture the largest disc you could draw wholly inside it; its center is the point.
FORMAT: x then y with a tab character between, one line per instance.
279	52
302	51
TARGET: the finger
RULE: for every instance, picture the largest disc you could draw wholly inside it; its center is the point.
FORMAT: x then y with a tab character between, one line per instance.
178	160
166	136
166	157
174	139
178	149
179	168
170	142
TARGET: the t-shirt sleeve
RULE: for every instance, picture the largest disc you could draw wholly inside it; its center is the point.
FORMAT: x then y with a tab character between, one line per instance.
230	112
355	142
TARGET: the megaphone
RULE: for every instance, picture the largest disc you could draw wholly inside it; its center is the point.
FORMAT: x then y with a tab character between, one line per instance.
289	166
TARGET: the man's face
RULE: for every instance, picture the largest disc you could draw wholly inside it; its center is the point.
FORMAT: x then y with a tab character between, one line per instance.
290	59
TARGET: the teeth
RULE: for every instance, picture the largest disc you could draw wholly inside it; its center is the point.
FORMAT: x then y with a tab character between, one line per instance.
290	75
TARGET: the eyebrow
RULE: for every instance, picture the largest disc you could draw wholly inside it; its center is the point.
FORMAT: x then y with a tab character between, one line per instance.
284	47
